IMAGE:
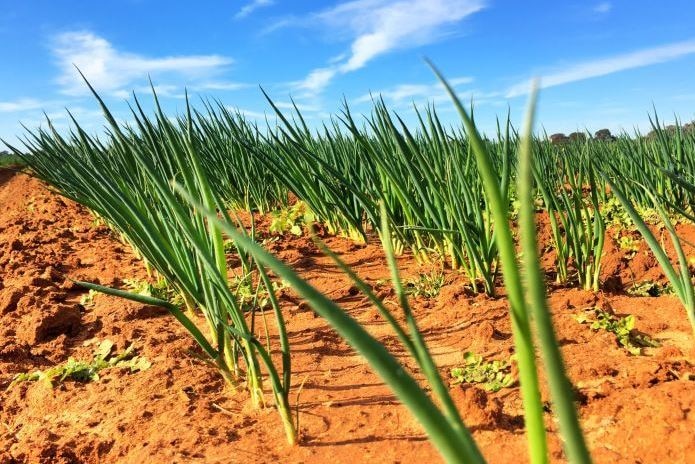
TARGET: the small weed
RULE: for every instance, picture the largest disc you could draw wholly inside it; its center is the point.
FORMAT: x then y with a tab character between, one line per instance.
97	221
622	328
88	371
160	289
652	217
250	296
649	288
493	375
515	205
425	285
615	215
629	245
230	247
87	299
31	204
292	219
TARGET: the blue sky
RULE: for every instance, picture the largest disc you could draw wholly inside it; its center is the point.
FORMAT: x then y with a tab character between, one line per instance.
601	64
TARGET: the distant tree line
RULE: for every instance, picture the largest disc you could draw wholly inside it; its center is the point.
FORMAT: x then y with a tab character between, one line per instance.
8	159
605	135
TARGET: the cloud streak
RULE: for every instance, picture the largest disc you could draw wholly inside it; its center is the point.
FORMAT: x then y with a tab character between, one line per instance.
603	8
610	65
406	93
221	85
378	27
249	8
22	104
112	71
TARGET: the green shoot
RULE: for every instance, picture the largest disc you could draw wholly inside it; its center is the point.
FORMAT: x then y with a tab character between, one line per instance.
622	327
425	285
649	289
292	219
88	371
87	300
492	375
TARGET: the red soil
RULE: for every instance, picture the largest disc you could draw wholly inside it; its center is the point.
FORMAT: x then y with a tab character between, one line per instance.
633	408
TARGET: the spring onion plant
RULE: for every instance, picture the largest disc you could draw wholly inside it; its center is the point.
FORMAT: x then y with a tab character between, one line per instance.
527	300
317	168
681	278
229	147
433	191
578	229
127	181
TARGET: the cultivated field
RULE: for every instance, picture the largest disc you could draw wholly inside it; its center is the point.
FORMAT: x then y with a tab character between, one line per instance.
199	289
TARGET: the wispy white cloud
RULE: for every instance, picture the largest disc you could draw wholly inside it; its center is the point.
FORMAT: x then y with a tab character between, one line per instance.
112	71
22	104
605	66
284	105
177	91
377	27
684	97
282	23
603	8
59	116
406	93
221	85
315	81
162	90
251	7
251	114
